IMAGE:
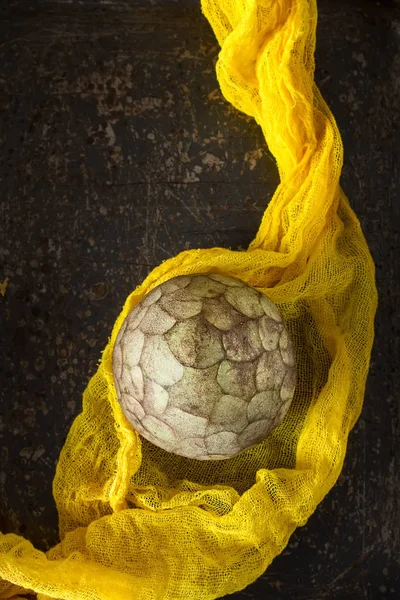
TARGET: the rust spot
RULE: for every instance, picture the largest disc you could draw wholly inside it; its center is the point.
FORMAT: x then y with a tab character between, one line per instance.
3	287
99	290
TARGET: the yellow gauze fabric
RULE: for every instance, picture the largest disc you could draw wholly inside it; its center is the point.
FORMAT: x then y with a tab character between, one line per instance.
137	522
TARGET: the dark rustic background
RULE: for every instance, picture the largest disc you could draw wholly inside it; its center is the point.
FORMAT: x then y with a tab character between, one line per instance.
118	151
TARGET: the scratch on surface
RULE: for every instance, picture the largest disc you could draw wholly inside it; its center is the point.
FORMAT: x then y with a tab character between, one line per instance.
145	250
3	287
169	236
163	250
343	574
198	218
